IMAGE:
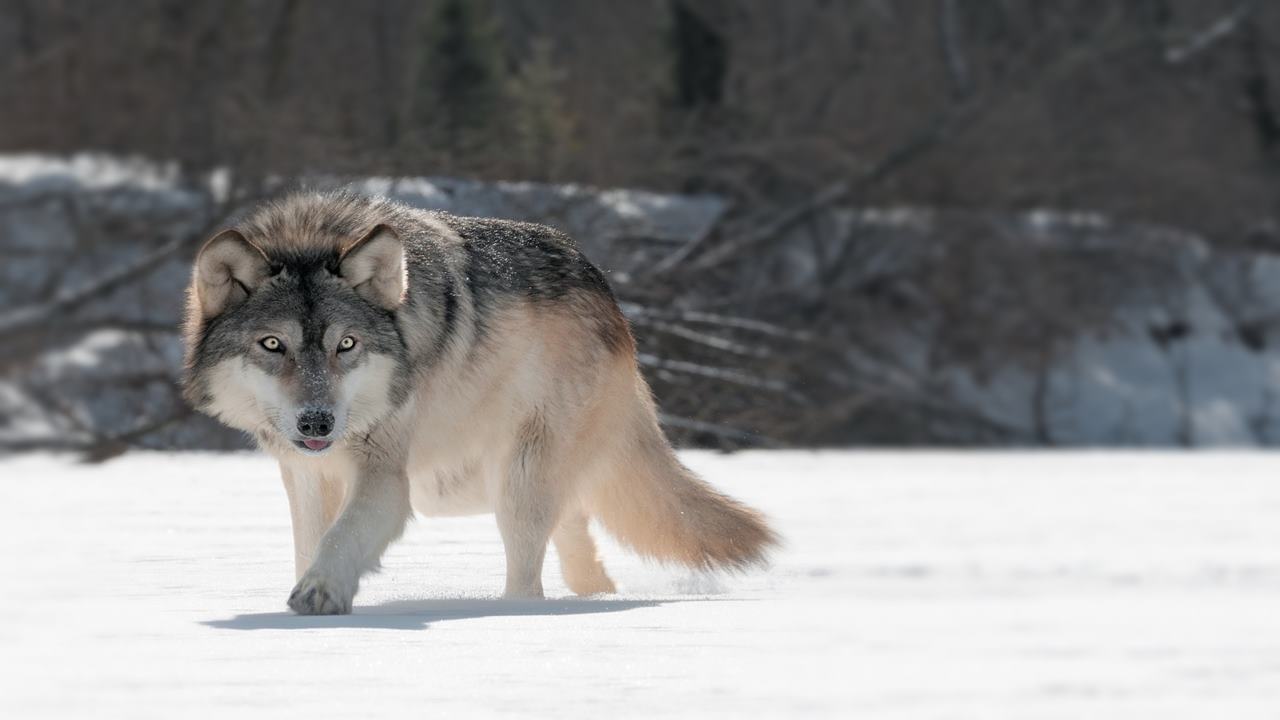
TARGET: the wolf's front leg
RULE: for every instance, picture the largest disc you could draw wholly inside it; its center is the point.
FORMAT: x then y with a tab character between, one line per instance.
376	511
315	497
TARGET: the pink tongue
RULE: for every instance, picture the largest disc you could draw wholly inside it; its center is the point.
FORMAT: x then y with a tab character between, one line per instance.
316	444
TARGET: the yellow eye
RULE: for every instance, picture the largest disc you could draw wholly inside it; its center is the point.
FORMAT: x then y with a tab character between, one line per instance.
346	343
271	343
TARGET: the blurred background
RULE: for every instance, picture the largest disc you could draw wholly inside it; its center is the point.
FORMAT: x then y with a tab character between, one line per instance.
831	223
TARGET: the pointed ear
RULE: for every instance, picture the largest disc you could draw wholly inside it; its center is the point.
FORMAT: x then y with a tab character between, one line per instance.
228	268
374	266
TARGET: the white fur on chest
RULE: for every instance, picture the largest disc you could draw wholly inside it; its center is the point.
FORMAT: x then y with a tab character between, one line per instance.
454	458
466	420
444	491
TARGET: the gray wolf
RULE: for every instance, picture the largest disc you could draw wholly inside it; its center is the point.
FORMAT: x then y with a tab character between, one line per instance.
394	359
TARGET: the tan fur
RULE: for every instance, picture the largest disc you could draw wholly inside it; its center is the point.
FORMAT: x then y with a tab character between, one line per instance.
608	458
548	425
375	265
227	264
316	493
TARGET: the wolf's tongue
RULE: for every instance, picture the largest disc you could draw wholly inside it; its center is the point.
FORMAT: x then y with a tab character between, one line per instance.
316	444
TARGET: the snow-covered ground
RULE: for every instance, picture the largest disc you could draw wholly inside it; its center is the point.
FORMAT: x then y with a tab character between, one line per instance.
911	586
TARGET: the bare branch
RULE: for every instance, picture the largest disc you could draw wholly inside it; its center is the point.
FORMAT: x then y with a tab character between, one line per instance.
33	316
634	311
1211	35
723	431
942	127
105	448
734	377
949	37
712	341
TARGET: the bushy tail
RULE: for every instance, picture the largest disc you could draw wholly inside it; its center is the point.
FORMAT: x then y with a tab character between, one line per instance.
655	505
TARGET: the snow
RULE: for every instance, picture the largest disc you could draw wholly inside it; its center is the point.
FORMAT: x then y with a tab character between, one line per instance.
86	170
922	585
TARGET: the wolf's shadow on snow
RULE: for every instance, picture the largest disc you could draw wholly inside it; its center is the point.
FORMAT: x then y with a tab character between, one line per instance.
419	614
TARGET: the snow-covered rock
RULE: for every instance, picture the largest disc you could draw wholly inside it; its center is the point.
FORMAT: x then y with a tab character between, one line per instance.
66	221
1062	328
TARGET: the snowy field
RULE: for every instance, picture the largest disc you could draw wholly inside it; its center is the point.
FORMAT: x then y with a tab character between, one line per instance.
911	586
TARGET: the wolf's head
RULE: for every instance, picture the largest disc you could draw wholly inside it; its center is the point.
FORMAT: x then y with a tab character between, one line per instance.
297	344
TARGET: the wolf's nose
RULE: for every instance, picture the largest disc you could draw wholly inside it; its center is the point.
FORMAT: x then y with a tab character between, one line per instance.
315	423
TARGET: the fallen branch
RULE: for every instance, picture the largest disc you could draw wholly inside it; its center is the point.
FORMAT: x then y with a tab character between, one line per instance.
31	317
105	448
1211	35
941	128
734	377
723	431
949	37
635	312
712	341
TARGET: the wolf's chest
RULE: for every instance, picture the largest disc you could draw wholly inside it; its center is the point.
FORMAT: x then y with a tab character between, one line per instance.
458	490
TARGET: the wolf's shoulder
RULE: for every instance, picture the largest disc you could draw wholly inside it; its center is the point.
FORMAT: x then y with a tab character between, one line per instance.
524	258
501	232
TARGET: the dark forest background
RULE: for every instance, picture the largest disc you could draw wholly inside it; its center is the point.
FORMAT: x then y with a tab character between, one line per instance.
1164	110
1148	112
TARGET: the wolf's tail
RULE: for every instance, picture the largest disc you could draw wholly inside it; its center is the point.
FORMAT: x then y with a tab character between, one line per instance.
655	505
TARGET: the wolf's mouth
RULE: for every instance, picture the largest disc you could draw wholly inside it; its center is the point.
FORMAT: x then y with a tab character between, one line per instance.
314	445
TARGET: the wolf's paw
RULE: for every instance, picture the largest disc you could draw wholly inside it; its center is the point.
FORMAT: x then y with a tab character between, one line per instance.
316	594
593	583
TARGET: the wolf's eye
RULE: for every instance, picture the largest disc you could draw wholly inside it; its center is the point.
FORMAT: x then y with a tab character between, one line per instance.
346	343
271	343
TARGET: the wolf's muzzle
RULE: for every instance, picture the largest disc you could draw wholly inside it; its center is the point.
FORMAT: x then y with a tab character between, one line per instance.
315	423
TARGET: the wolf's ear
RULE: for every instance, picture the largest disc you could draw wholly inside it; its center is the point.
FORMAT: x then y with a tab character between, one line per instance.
374	266
228	268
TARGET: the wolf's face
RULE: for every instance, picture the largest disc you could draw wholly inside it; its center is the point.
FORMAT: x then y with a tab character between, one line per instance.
302	353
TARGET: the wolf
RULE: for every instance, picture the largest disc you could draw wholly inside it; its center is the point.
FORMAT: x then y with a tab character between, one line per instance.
394	359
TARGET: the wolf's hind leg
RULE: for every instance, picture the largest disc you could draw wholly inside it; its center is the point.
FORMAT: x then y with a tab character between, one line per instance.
579	561
527	509
525	521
